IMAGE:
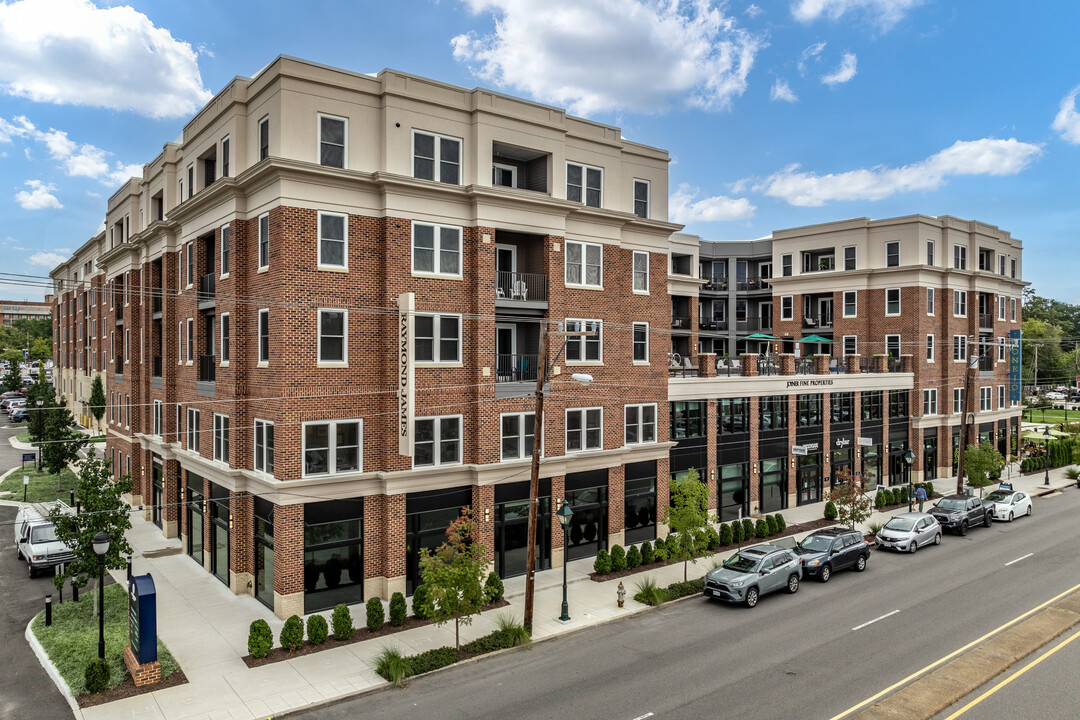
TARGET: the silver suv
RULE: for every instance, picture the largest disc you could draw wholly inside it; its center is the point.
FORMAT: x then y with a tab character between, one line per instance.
753	572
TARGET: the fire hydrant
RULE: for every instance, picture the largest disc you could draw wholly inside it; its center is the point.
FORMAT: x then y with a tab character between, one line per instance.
621	593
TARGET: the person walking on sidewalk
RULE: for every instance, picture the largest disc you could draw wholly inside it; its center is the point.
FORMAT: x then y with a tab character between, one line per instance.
920	495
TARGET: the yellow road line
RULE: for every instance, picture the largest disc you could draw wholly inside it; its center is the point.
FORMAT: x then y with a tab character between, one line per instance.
1008	680
953	654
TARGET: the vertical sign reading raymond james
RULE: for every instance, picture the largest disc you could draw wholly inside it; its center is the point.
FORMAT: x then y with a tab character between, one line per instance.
1014	366
406	373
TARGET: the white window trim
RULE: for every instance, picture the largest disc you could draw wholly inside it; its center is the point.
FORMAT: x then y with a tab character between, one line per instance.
963	347
436	329
843	344
986	398
225	230
344	140
931	248
843	304
583	323
189	268
648	196
1001	397
1001	310
194	426
957	294
331	451
1002	356
584	429
789	314
930	397
584	182
262	362
633	328
640	423
958	400
566	265
344	340
633	271
254	444
221	151
931	301
888	244
156	427
436	455
221	340
898	343
931	347
437	232
217	433
189	340
899	307
505	168
959	257
522	454
437	161
258	242
263	121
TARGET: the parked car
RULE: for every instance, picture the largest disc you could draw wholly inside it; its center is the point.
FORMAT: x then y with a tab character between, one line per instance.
837	548
908	532
1007	504
959	512
10	397
35	538
15	403
753	572
1055	395
19	415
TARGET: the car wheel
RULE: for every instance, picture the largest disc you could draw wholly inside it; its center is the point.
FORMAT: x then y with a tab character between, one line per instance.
1029	511
751	597
913	547
1010	517
963	528
30	570
860	564
793	583
826	573
988	520
937	539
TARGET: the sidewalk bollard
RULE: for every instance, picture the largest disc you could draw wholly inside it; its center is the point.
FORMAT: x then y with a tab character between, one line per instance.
621	592
78	506
129	571
74	592
48	610
72	499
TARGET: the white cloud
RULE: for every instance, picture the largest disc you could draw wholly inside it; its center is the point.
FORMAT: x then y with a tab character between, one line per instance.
1067	121
753	10
637	55
78	160
38	197
71	52
845	72
885	13
47	259
988	156
684	207
811	53
782	91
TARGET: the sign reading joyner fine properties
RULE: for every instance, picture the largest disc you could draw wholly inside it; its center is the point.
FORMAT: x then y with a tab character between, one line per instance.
142	618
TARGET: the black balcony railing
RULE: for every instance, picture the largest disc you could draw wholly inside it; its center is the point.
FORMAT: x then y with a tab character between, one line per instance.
986	362
157	366
207	368
986	320
713	325
753	323
118	313
680	322
718	284
119	363
516	368
527	287
206	287
753	283
817	321
155	304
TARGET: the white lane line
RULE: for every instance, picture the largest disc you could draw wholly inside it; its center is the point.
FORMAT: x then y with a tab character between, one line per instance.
860	627
1025	557
642	717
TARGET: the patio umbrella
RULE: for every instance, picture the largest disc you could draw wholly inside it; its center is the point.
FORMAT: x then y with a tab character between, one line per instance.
760	336
1059	433
1035	436
814	339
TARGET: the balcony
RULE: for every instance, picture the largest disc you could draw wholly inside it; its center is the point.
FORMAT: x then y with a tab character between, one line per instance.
986	321
680	322
518	288
118	313
717	284
986	363
712	325
753	323
821	322
516	368
753	283
157	366
119	359
207	291
207	368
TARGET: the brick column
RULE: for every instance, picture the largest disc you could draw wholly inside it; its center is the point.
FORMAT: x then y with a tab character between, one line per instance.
907	364
826	441
555	538
793	425
663	492
786	364
148	485
707	365
852	366
821	364
915	440
172	512
616	506
394	532
749	364
879	363
288	560
242	543
483	507
206	540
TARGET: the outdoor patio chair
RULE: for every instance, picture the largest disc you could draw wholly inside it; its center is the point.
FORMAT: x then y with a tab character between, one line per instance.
519	291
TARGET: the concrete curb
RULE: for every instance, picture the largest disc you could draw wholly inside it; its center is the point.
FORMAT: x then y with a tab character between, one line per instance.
54	674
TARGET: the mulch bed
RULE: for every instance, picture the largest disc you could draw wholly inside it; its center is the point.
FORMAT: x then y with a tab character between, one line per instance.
128	689
361	634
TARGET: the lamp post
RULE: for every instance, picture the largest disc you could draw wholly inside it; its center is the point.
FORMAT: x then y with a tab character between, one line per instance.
39	423
1046	465
101	546
909	458
565	513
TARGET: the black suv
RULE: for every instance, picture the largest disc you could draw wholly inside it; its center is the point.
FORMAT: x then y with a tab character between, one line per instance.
825	551
958	512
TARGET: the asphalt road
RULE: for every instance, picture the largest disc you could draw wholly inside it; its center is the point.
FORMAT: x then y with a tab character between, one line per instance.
792	656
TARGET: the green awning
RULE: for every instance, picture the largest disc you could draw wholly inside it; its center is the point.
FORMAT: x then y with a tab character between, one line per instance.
760	336
814	339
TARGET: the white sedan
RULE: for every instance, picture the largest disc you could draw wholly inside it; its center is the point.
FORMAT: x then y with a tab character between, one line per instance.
1008	504
1053	395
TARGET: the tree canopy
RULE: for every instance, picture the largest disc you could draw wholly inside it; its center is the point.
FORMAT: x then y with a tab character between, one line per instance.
454	575
687	515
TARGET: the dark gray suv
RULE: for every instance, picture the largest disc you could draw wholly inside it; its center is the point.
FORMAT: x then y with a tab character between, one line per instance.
752	572
958	512
830	549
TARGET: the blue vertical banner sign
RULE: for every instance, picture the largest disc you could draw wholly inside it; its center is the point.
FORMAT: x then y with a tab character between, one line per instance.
1014	366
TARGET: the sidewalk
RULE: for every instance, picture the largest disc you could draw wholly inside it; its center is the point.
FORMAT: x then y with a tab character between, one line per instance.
205	626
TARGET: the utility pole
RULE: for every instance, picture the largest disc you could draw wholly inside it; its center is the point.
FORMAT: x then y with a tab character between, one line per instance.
963	422
1036	368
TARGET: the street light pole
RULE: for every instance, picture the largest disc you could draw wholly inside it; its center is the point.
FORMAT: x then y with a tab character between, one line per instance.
101	546
39	423
964	424
909	458
565	513
1046	456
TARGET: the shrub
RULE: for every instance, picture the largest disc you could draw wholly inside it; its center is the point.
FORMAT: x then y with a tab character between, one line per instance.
879	500
430	660
618	558
292	634
660	551
391	665
508	624
1072	473
419	596
874	527
341	622
747	529
648	593
602	563
317	630
398	610
780	522
96	676
510	633
493	587
770	522
376	616
903	494
712	539
260	639
646	553
890	497
683	589
761	529
830	510
725	534
633	557
736	532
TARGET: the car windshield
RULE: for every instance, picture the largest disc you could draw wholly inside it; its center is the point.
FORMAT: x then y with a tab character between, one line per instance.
998	496
43	534
740	563
951	504
900	523
816	543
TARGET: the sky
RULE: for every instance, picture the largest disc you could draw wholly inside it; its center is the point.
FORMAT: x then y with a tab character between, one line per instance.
776	113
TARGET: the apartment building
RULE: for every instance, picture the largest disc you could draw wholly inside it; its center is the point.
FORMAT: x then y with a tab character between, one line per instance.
861	356
26	310
320	315
80	333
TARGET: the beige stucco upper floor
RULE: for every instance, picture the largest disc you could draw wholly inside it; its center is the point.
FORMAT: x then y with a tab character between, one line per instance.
699	388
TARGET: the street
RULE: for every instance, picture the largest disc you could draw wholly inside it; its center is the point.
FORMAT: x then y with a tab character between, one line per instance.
792	656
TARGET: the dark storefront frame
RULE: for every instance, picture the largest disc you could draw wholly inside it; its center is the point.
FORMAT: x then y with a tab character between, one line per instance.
157	499
219	532
772	485
427	515
930	450
333	553
587	493
733	490
639	501
195	518
264	551
512	527
808	482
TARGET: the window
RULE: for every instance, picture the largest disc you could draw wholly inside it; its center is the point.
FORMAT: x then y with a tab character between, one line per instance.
959	303
264	241
641	271
929	301
193	430
1001	264
333	240
892	345
333	336
189	337
264	446
179	418
225	338
442	260
960	257
332	145
640	423
959	348
503	175
157	418
892	254
851	303
929	348
785	265
437	338
221	438
957	400
898	404
641	342
849	257
584	348
1001	350
1001	396
179	343
808	410
225	232
585	184
189	267
438	441
331	448
892	301
264	138
986	398
1001	307
1012	309
584	264
732	417
436	158
264	336
641	198
851	345
225	156
517	435
842	407
190	185
1012	268
929	252
929	401
584	429
787	307
871	405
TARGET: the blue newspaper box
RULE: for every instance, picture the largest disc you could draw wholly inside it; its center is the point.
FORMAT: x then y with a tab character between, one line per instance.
142	620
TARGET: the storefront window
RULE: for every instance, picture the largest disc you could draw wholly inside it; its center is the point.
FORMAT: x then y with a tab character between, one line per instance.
333	553
195	517
842	408
871	467
264	551
773	412
841	461
734	490
219	532
427	515
640	503
773	490
871	405
808	410
512	528
809	479
589	526
734	416
687	419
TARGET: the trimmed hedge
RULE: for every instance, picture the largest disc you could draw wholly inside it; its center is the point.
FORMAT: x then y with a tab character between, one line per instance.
376	616
317	630
633	557
747	529
781	522
419	597
618	558
96	675
736	531
493	587
725	534
430	660
830	510
646	553
761	529
498	640
683	589
712	539
398	610
770	522
341	622
260	639
602	564
292	633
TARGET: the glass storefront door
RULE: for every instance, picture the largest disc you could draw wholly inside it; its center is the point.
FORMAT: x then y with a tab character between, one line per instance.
734	489
773	485
930	459
333	553
219	532
841	466
897	476
512	536
159	494
264	551
639	497
809	479
588	527
871	467
195	518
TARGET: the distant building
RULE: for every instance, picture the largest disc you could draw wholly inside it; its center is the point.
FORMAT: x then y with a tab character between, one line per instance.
11	311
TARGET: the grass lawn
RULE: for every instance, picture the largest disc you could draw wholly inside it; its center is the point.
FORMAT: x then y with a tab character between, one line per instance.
72	641
1050	415
42	485
24	436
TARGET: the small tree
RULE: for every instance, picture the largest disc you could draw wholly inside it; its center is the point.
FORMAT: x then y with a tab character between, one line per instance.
687	515
60	444
852	506
454	576
96	404
981	462
12	380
